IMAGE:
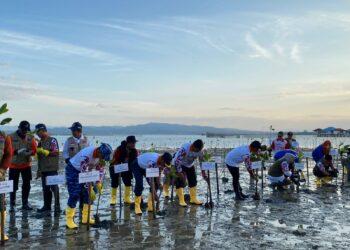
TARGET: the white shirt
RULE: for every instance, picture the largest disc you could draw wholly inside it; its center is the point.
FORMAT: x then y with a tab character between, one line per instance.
237	156
84	160
66	146
148	160
185	157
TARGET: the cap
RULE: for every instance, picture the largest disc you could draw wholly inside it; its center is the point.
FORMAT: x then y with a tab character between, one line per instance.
40	126
106	150
131	139
290	133
167	157
280	133
24	125
76	126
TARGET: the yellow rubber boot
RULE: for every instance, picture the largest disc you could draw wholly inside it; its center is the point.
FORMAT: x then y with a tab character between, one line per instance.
166	190
70	212
84	218
318	181
193	196
138	210
149	203
5	236
345	171
326	180
113	197
181	196
127	193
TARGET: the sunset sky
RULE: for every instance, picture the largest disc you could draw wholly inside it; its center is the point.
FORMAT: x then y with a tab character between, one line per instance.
236	64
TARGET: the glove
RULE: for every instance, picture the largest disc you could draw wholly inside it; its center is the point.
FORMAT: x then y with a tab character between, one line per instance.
67	160
92	193
43	152
99	187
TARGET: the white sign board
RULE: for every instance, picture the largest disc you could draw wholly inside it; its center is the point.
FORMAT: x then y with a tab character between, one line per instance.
299	166
55	180
208	166
89	176
152	172
120	168
6	187
217	159
256	165
307	154
334	152
295	144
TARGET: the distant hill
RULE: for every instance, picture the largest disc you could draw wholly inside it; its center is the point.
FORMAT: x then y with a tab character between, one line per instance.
149	128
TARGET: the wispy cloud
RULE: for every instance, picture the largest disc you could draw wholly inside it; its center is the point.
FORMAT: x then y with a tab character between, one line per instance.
259	50
37	43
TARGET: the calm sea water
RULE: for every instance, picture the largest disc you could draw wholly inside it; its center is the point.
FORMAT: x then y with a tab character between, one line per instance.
174	141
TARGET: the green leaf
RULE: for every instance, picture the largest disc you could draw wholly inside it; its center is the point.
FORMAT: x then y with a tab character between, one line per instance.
5	121
3	108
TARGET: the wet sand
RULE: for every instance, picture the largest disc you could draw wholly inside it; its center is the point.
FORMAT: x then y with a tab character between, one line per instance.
315	218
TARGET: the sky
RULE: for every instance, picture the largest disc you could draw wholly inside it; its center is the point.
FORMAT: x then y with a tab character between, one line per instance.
223	63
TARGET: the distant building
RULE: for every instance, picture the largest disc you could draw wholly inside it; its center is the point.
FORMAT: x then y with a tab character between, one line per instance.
332	132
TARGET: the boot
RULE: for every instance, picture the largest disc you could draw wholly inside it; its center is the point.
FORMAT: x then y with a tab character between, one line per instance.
241	193
193	196
138	210
13	202
239	197
326	180
181	196
47	203
5	236
318	181
25	196
127	193
84	218
57	203
70	212
149	203
166	190
113	197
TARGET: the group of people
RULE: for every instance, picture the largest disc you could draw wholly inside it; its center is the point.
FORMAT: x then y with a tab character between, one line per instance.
18	149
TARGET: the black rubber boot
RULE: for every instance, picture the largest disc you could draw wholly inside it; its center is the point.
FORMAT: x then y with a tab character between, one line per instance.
25	196
13	202
57	202
47	203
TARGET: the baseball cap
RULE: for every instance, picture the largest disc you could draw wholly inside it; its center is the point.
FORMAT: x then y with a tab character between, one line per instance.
24	125
76	126
40	126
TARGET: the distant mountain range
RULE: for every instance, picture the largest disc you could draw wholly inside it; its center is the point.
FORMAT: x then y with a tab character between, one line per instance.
149	128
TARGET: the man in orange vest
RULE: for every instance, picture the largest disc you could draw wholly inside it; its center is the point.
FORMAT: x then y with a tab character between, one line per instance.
23	148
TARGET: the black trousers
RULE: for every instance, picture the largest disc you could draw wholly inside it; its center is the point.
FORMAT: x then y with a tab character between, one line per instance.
49	190
191	177
126	177
235	178
26	174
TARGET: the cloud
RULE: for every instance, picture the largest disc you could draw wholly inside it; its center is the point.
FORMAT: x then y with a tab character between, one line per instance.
316	89
36	43
16	89
259	50
295	53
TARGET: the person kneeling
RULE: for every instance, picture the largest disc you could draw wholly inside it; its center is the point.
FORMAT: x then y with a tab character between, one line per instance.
279	173
325	171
